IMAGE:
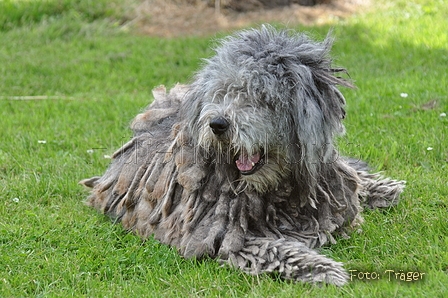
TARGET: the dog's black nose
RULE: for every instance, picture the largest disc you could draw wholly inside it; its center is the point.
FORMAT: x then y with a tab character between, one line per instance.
219	125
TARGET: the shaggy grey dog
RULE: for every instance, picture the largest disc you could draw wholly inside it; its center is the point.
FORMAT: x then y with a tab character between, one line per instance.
241	164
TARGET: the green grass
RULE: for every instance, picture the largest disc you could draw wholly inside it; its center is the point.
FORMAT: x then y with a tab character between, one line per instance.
97	77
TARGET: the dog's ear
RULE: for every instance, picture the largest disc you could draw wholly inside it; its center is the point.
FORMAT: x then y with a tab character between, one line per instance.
327	82
320	81
191	107
318	105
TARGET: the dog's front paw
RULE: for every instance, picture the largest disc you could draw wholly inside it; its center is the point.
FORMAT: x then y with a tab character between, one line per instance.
292	260
322	271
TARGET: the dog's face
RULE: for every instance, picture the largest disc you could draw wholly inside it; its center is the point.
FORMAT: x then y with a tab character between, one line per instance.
267	105
248	133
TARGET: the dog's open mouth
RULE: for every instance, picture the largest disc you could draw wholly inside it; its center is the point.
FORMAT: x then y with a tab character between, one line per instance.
249	164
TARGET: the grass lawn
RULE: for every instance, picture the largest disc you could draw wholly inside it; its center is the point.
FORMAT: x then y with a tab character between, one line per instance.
85	79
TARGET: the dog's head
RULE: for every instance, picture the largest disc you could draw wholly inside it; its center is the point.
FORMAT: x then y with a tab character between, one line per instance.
268	105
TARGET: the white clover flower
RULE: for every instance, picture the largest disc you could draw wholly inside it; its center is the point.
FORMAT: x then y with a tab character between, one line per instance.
442	115
90	151
41	141
107	156
404	95
15	200
429	148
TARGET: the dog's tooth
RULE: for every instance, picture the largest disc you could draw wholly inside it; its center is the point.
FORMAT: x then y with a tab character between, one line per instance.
253	164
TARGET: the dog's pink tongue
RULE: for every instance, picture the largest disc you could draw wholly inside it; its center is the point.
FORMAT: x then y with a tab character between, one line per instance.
246	163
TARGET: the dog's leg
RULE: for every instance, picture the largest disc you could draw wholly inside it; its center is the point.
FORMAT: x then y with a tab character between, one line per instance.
291	259
379	192
376	191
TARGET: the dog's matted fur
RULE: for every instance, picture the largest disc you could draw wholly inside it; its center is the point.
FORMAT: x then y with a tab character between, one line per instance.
241	166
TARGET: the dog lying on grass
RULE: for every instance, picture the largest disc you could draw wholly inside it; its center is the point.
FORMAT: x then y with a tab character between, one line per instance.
241	166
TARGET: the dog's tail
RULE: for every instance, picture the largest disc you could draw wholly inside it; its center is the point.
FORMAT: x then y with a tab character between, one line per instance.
291	259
